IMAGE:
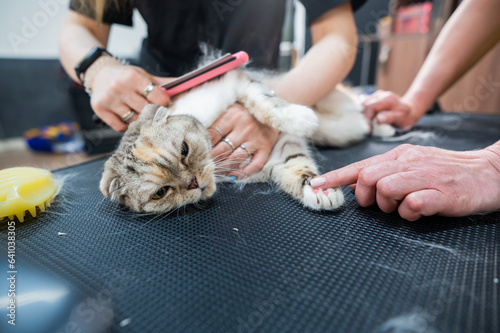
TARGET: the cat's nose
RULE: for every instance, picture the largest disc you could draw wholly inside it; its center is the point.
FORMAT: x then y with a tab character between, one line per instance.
193	185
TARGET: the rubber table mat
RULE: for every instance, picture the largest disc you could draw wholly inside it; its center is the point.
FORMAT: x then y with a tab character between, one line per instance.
253	260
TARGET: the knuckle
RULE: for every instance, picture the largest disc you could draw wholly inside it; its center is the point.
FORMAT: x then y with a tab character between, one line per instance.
403	148
391	95
115	87
98	106
385	94
384	188
130	74
365	177
360	165
413	203
252	126
414	155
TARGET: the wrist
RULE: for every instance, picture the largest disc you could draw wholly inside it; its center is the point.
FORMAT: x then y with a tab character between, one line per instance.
102	62
418	103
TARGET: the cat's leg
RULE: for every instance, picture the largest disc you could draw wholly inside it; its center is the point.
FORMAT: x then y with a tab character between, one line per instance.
342	122
276	112
291	168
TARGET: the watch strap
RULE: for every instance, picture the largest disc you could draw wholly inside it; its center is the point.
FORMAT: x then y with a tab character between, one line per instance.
88	60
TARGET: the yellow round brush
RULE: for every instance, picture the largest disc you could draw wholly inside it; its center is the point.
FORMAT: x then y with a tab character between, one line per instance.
24	189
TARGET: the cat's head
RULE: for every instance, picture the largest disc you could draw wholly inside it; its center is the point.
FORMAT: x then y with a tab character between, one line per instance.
163	162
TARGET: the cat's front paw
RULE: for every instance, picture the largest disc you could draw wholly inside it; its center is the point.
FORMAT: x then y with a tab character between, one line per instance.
329	199
382	130
298	120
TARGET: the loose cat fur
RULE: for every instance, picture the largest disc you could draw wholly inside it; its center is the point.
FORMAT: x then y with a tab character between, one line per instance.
151	172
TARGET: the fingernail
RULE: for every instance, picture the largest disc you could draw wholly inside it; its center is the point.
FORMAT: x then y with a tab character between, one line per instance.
232	178
318	181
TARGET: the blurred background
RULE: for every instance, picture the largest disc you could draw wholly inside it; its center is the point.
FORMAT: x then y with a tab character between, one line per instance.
394	38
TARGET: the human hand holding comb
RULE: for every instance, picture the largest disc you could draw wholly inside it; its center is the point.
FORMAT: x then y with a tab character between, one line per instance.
119	93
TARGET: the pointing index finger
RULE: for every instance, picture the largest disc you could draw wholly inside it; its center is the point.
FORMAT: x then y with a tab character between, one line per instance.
349	174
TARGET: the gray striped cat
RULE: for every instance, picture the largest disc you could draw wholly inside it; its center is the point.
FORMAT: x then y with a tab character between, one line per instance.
163	161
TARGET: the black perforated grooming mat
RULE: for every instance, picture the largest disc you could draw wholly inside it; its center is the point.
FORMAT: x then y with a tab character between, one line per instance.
256	261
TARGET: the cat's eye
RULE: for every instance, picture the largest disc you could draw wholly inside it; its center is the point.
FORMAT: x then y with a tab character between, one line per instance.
160	193
184	150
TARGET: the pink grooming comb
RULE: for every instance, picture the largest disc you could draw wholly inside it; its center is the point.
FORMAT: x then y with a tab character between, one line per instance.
205	73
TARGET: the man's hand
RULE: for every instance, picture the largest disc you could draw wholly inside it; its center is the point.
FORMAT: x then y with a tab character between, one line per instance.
422	181
242	130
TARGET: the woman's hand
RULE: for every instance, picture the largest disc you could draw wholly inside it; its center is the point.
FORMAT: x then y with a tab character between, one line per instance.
389	108
241	129
422	181
117	90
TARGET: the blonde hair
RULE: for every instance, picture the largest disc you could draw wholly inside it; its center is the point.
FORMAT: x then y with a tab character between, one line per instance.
98	7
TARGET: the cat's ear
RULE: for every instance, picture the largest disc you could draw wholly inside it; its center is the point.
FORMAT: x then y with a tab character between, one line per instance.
149	111
154	112
110	182
161	114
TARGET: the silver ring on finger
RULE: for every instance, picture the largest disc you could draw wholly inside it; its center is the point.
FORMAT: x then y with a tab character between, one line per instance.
128	116
148	89
218	130
246	149
229	142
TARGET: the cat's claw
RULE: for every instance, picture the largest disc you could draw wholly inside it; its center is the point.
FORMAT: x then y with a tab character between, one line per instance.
329	199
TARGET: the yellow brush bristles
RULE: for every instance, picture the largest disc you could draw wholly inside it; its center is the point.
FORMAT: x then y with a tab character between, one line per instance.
24	189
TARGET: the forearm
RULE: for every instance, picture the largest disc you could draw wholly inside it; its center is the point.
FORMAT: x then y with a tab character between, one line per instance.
469	34
324	66
77	38
327	63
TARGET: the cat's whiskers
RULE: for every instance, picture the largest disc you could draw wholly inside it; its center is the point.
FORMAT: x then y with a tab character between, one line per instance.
226	153
229	164
233	160
157	217
138	182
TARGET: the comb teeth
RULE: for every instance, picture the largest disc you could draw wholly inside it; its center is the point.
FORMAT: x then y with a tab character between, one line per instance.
41	207
38	183
20	217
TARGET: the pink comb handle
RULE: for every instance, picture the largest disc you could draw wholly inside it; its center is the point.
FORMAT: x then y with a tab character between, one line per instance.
240	58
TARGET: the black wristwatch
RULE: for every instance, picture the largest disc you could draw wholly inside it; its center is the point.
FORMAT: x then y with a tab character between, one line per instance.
89	59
